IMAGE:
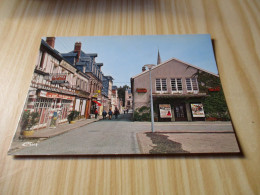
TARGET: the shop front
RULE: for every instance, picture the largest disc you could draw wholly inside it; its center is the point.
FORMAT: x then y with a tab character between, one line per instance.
95	105
80	106
96	102
188	108
81	103
52	108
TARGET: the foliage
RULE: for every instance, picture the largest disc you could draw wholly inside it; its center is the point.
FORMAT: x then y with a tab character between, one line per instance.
143	109
121	93
142	114
73	115
214	104
29	119
206	80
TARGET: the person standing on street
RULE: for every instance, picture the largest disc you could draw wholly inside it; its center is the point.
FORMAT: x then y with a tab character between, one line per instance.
110	114
96	113
116	113
104	114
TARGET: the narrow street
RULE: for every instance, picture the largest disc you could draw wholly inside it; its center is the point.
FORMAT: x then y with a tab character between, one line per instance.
119	136
116	136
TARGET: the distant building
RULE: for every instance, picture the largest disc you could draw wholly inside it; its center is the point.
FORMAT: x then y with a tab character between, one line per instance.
176	93
86	63
128	99
107	92
115	99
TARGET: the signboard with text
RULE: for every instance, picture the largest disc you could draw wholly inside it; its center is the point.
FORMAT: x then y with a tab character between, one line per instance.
55	95
165	111
197	110
58	78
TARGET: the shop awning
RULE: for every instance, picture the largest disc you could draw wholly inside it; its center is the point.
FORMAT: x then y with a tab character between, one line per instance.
96	102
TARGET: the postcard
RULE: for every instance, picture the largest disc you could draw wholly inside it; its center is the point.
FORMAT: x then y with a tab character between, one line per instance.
125	95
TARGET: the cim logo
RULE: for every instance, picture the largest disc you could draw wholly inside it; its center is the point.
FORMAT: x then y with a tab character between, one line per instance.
26	144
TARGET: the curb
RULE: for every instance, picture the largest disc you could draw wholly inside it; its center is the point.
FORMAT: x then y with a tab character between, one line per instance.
11	150
145	144
168	132
59	133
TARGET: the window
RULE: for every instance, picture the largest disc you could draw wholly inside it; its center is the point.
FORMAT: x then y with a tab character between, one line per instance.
188	84
192	84
158	85
176	84
161	85
43	107
42	59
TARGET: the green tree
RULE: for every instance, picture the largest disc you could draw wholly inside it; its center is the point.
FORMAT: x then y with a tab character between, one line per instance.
121	93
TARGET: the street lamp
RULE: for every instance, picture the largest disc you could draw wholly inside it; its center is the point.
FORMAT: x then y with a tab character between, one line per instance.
150	66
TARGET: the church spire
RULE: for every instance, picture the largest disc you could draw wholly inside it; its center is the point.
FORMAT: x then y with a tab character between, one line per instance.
159	58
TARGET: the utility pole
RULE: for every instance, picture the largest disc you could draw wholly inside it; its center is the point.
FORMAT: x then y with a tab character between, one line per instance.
150	66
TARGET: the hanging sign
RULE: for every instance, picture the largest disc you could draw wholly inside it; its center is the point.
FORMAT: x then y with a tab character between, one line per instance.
214	89
141	90
58	78
165	110
197	110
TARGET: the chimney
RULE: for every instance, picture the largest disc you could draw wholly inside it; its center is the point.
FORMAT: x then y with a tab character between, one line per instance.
50	41
77	49
143	69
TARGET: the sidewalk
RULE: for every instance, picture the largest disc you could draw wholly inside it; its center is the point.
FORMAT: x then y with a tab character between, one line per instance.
193	137
189	127
62	128
43	134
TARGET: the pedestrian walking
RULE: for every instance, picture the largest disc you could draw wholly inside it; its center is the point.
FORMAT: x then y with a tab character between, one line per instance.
127	110
116	113
96	113
110	114
104	114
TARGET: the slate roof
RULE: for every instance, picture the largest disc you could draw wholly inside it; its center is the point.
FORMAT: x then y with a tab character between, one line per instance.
99	64
83	59
114	87
55	52
45	44
69	54
109	77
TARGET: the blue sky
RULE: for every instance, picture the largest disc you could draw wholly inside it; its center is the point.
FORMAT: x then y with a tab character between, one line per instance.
124	56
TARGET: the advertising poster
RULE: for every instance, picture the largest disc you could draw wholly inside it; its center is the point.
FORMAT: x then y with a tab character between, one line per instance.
165	110
197	110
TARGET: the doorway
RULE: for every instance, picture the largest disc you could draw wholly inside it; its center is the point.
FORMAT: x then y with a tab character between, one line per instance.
180	112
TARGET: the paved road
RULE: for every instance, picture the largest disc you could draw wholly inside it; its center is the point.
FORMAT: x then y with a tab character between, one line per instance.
112	137
103	137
